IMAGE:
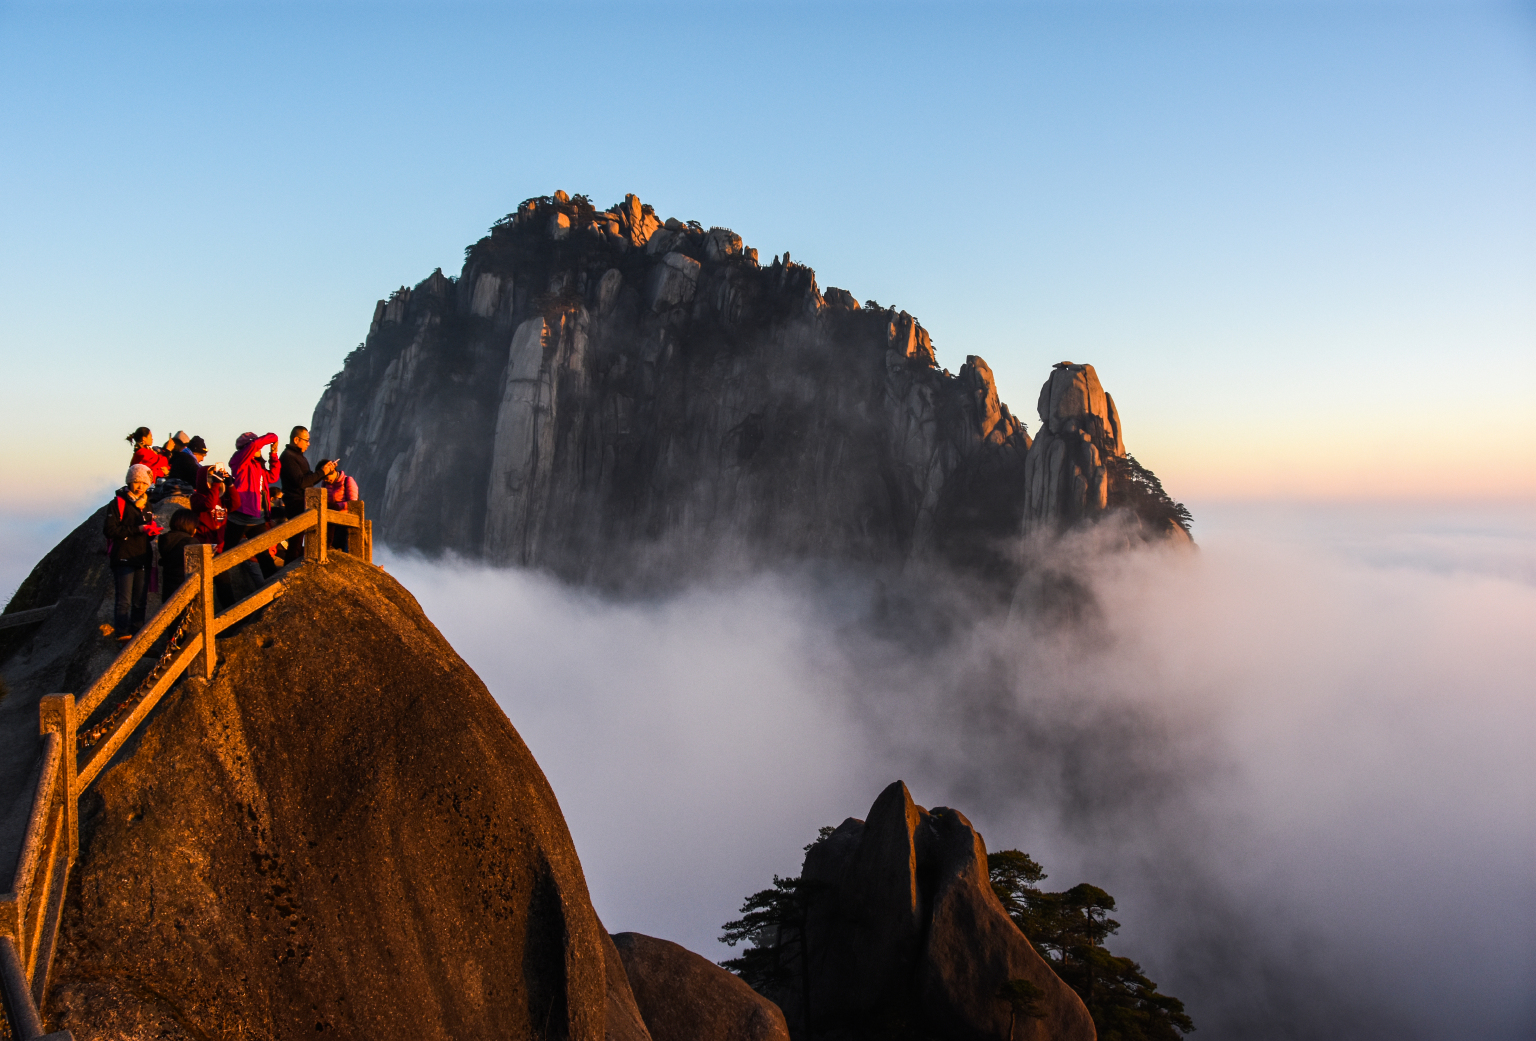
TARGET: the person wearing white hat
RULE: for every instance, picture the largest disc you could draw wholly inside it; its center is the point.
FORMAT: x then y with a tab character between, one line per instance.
130	526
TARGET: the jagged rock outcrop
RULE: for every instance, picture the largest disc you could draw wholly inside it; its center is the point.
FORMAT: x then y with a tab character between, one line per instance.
1065	474
684	997
609	395
341	834
1078	468
907	939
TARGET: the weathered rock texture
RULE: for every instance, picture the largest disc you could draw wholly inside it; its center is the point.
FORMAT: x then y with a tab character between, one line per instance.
625	1023
1065	474
684	997
906	938
602	394
340	835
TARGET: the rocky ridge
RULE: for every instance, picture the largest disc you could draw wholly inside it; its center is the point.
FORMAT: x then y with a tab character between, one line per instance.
617	398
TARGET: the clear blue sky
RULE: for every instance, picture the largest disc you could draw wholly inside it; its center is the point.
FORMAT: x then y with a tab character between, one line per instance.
1297	239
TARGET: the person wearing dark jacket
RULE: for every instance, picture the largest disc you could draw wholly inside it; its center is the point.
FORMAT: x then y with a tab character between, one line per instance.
297	477
186	461
129	527
173	567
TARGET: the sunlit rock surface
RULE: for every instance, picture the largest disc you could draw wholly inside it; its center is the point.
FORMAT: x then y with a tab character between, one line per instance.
636	396
341	835
620	399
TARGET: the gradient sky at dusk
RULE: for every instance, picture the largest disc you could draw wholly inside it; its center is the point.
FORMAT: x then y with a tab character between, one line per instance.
1298	240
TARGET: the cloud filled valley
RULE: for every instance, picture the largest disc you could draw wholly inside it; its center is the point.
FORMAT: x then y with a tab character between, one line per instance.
1299	758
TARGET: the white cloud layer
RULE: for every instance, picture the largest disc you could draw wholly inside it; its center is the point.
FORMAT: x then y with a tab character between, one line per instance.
1300	758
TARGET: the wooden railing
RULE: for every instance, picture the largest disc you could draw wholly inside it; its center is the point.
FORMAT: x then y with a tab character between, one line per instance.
29	913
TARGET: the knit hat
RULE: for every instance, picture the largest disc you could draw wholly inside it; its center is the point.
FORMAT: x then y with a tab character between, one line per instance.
244	439
181	437
197	444
140	472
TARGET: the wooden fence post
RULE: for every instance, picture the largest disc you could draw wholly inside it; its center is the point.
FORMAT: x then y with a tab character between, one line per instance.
203	608
56	712
314	546
355	535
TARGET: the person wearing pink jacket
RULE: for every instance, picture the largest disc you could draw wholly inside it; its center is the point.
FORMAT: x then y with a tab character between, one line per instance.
249	499
339	490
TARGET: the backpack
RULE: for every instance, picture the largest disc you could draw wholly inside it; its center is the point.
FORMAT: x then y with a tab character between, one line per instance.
122	508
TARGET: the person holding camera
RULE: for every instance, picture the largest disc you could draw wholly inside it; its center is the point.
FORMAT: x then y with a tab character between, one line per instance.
339	490
297	478
129	527
249	498
209	502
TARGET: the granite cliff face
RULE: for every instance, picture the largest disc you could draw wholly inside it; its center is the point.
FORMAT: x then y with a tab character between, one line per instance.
605	394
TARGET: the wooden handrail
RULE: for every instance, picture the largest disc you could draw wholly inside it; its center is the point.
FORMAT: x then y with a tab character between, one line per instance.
42	798
112	742
15	618
251	604
20	1009
130	655
261	543
30	912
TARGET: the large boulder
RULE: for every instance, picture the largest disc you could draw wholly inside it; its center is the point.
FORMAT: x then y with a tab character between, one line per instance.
625	1023
342	835
684	997
907	939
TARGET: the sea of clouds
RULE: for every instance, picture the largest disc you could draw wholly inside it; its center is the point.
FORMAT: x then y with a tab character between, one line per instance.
1301	758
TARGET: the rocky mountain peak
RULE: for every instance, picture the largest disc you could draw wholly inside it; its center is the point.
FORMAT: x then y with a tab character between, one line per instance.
631	399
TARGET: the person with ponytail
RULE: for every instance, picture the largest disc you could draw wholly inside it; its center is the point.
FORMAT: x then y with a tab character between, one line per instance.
145	454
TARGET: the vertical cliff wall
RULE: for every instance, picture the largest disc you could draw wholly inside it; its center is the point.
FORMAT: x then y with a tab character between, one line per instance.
603	394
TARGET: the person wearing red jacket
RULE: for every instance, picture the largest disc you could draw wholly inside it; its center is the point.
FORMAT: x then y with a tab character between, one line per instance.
209	503
249	500
146	454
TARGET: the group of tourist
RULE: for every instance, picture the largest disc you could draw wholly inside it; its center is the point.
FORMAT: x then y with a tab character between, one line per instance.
228	504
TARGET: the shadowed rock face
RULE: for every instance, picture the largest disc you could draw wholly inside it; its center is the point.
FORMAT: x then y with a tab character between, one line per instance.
609	397
684	997
340	835
907	940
